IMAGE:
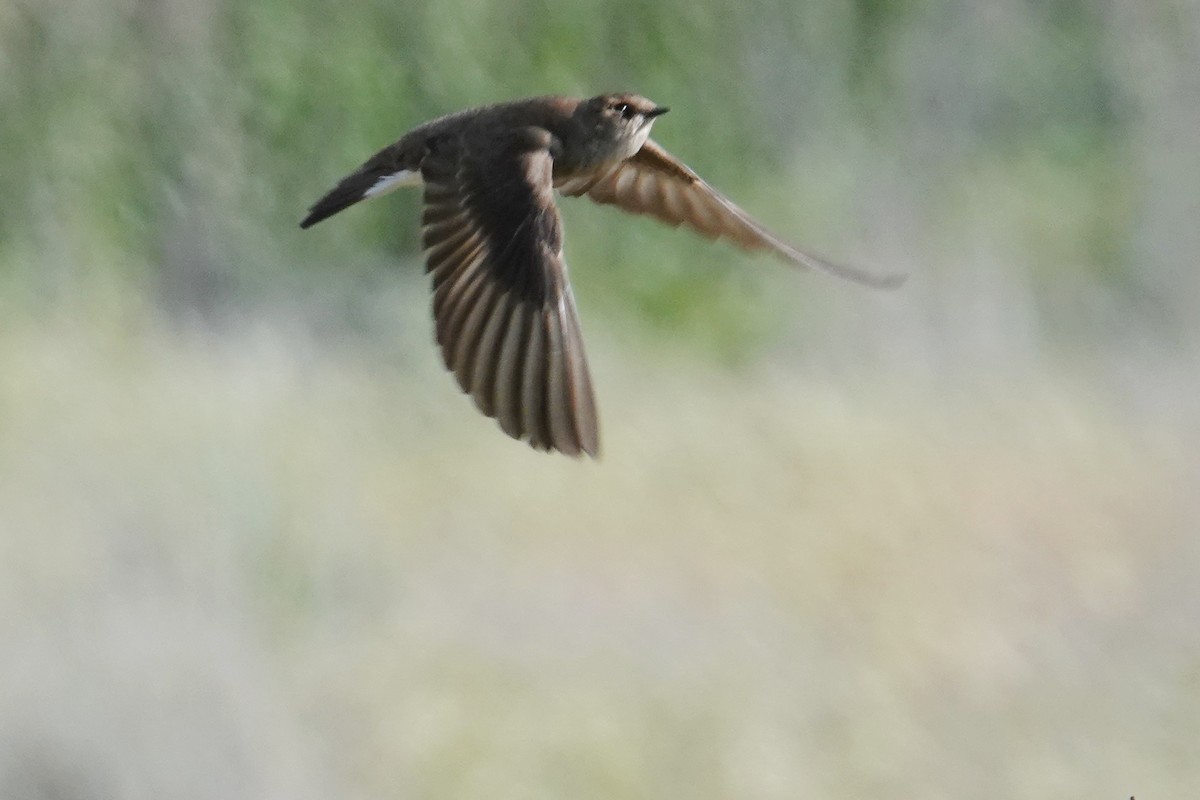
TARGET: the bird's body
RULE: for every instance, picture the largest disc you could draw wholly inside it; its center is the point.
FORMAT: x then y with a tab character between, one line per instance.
503	309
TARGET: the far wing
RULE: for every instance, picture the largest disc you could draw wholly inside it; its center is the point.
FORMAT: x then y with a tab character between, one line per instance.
655	183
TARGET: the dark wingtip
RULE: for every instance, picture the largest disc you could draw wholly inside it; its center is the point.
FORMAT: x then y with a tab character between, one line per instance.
341	197
585	451
892	280
872	280
589	448
322	210
315	215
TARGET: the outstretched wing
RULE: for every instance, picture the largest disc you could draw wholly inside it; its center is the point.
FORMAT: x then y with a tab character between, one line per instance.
656	183
505	317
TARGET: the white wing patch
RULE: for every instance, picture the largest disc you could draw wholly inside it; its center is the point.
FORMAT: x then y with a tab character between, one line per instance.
389	183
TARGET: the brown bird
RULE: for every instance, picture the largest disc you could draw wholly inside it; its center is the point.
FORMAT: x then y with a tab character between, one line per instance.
503	309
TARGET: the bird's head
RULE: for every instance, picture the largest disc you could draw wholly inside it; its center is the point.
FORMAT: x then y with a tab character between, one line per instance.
620	121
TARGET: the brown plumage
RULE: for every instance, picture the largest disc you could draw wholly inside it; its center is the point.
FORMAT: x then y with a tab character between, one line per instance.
504	314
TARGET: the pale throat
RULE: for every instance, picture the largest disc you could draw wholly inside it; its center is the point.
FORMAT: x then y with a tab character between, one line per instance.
640	137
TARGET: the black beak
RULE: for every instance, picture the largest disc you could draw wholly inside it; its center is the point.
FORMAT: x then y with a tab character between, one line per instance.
656	112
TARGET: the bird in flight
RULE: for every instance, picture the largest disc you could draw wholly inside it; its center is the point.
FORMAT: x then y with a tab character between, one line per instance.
503	309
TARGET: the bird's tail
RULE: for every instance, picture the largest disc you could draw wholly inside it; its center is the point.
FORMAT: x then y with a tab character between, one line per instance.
380	175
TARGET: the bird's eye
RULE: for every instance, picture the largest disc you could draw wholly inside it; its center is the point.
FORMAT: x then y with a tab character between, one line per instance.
624	109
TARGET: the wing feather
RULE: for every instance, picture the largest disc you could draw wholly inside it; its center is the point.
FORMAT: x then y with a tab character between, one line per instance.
533	384
504	316
489	353
655	183
508	370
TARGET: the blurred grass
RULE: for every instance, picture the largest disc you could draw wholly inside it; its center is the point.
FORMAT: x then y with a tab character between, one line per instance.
938	543
325	570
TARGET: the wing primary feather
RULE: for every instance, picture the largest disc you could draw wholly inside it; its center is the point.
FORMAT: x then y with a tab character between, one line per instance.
450	281
467	339
459	300
445	261
509	368
558	392
655	183
437	192
488	353
533	382
445	232
582	402
434	213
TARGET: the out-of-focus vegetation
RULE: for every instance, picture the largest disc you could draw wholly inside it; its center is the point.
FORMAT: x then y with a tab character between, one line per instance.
172	145
935	543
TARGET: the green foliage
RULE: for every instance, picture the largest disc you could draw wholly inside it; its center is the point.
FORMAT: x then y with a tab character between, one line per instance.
184	140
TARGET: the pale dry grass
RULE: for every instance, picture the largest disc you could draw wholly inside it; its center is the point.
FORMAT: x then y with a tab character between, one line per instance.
256	564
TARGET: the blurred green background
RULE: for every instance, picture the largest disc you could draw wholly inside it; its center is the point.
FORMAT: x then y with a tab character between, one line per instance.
940	542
